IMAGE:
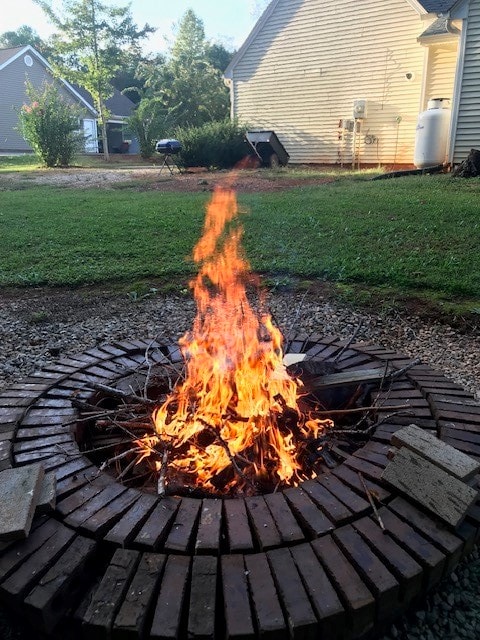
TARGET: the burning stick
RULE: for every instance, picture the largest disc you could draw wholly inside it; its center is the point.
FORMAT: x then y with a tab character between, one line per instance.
372	504
161	490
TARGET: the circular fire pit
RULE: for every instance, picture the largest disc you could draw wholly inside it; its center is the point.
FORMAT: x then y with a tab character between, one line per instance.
309	561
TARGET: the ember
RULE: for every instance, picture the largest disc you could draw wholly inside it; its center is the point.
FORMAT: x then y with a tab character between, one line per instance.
233	424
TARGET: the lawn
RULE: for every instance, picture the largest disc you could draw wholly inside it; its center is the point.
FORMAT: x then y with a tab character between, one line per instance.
418	233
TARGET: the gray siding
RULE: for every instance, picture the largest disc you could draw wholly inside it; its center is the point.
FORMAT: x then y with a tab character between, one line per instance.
468	121
13	96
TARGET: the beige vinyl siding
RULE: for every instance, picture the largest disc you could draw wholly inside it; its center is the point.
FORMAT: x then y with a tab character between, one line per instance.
468	120
442	63
313	58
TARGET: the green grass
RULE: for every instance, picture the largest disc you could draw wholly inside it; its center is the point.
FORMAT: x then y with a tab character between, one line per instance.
417	234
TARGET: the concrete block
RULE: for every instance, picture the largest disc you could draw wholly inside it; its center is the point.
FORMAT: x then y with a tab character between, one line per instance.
19	493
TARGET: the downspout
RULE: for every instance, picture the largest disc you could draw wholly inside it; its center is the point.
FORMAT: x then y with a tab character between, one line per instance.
457	89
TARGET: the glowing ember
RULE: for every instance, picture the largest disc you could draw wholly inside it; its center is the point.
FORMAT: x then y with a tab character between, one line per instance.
231	417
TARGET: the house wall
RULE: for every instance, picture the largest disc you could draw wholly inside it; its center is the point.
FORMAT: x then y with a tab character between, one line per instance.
13	96
468	115
313	58
442	62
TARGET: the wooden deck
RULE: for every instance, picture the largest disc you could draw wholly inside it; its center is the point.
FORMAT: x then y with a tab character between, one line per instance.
309	562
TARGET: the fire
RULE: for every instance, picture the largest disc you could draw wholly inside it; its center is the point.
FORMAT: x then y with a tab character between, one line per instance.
230	416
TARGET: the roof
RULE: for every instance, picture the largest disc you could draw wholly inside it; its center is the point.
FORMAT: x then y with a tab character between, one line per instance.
6	54
440	27
118	104
437	6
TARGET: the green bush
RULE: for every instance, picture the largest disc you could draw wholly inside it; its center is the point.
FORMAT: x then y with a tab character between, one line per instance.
50	125
150	121
217	144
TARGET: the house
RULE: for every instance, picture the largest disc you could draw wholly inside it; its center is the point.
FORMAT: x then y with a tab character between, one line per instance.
344	81
19	64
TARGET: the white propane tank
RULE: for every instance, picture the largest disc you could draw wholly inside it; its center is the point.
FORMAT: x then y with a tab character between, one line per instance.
432	134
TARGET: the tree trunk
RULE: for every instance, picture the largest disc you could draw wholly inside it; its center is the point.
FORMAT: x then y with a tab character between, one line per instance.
470	167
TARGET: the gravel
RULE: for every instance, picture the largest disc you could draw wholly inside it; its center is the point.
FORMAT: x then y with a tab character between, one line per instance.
38	326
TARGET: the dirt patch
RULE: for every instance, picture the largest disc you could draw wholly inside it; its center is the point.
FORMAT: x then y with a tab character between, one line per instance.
155	179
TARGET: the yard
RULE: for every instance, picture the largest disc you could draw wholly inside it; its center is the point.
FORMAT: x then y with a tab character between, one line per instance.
98	257
414	237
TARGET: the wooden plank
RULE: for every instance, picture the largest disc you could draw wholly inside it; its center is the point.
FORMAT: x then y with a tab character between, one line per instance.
333	508
348	377
167	616
307	512
51	598
301	618
109	595
287	525
263	523
431	528
407	571
182	532
425	553
131	619
377	577
328	608
238	527
20	490
354	593
431	448
131	522
268	611
430	486
208	534
155	529
203	596
238	617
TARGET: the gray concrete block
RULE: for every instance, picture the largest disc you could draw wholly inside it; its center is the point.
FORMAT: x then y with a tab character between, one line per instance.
19	493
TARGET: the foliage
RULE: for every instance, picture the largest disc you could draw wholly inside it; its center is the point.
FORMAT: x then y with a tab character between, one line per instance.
93	42
50	125
149	122
214	144
22	36
190	79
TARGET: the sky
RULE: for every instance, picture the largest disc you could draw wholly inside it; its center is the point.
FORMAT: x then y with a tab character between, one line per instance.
225	21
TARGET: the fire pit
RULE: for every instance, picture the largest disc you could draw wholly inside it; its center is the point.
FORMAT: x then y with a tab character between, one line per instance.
307	560
256	524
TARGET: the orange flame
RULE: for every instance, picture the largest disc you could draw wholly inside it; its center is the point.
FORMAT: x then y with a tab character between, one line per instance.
226	412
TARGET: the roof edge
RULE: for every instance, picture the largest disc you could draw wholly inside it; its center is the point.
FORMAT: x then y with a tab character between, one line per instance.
417	7
228	73
47	65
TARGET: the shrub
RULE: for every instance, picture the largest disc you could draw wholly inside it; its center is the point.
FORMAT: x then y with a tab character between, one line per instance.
150	121
50	125
217	144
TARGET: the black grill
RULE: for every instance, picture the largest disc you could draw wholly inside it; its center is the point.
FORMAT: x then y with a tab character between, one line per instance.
168	147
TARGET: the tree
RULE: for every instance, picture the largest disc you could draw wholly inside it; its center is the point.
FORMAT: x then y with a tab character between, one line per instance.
149	122
22	36
188	78
218	56
90	47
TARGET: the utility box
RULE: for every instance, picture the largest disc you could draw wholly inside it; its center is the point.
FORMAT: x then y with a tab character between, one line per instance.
360	109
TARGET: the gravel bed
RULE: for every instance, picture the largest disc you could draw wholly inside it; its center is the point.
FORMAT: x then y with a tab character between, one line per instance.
37	327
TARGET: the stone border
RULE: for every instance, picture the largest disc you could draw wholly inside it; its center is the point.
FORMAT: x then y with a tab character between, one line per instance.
306	561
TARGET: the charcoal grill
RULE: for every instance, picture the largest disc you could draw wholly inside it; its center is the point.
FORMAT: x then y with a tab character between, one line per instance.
169	148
